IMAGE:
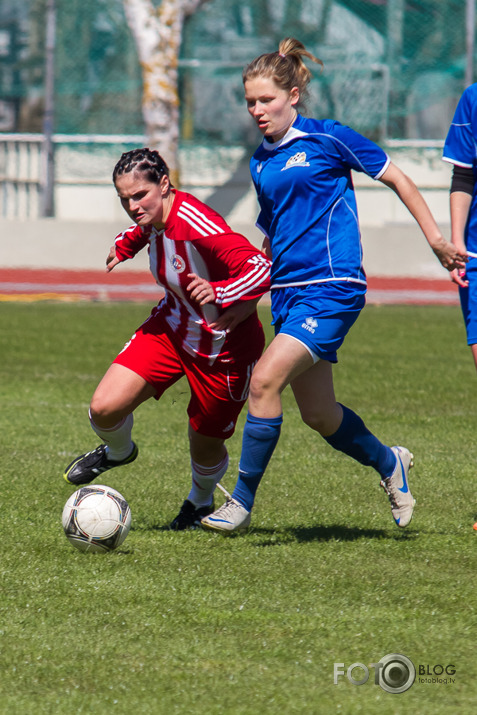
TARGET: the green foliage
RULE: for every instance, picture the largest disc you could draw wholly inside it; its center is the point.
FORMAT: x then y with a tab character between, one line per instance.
194	622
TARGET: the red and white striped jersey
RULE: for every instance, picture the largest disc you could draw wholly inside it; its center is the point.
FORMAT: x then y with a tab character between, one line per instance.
196	239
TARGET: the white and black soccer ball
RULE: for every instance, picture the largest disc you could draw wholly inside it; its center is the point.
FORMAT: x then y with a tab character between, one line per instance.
96	519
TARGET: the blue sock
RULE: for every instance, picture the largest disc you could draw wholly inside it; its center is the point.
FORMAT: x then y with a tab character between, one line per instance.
260	437
354	439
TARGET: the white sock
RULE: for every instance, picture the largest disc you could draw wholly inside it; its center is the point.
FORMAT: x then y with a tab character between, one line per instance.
117	439
204	481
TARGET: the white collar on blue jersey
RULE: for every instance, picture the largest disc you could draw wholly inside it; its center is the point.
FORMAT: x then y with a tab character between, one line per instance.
292	133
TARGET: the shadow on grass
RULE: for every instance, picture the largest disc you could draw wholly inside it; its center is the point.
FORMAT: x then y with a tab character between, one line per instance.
297	534
150	527
334	532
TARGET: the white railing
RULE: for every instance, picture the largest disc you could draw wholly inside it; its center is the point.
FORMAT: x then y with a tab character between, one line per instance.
21	157
23	169
83	166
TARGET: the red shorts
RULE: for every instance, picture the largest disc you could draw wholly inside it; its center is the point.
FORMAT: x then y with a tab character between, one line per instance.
218	392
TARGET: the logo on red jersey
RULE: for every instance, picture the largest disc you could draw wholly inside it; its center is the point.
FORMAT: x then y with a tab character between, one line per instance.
178	263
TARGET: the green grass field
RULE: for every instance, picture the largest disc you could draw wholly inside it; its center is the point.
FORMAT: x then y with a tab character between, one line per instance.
194	622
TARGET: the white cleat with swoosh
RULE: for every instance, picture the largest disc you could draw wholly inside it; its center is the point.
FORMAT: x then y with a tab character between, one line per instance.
397	487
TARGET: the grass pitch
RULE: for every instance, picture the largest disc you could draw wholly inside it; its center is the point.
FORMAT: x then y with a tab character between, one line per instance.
196	622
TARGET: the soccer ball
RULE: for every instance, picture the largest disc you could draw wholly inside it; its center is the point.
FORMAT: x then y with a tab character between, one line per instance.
96	518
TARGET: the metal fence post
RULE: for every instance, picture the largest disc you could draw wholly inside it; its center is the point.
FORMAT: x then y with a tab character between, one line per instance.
48	178
470	41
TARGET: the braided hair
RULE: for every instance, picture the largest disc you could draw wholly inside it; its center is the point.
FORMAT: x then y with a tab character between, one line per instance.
146	161
286	67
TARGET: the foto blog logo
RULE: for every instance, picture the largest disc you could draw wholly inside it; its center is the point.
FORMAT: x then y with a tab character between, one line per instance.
394	673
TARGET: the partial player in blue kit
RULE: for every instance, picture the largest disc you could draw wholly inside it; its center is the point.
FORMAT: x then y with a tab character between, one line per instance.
308	213
460	149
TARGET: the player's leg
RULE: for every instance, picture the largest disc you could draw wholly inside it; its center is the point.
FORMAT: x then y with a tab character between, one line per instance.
340	426
209	461
111	411
111	417
473	349
218	394
283	359
310	335
281	362
143	369
311	325
344	430
332	311
298	321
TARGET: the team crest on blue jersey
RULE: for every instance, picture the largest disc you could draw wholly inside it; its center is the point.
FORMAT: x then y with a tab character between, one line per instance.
178	263
298	159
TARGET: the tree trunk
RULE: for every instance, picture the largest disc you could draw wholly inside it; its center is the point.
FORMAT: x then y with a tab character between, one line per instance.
157	35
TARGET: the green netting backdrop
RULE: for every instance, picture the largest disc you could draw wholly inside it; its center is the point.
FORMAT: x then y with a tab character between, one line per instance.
389	74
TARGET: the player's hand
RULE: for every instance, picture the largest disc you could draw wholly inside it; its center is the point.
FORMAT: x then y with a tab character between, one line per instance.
200	290
234	315
450	257
458	276
112	260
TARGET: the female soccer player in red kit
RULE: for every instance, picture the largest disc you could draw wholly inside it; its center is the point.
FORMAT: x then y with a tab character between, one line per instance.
205	268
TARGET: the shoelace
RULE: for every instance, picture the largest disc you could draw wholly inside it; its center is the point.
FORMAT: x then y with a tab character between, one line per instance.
227	508
390	490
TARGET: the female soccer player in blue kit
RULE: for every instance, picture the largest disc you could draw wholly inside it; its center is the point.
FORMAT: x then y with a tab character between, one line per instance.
459	150
302	175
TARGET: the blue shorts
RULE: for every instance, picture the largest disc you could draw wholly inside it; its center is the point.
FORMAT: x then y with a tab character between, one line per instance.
468	302
318	315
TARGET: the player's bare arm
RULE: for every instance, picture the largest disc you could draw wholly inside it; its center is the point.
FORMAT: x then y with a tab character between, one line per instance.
405	188
460	203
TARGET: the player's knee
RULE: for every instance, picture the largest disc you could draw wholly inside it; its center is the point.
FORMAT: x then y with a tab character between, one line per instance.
102	409
262	386
315	418
207	451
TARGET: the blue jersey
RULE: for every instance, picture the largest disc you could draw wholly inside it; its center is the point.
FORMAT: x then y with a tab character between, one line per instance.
307	201
460	149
